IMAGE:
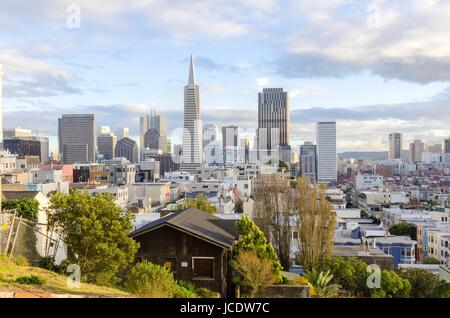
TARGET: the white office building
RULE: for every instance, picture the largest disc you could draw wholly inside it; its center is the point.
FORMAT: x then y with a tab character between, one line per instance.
326	151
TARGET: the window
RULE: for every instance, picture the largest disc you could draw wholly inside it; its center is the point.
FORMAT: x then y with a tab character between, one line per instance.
203	267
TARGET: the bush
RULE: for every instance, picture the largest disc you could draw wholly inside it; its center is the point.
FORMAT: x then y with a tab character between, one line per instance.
48	263
422	281
392	286
150	280
21	261
298	281
206	293
183	292
29	280
350	273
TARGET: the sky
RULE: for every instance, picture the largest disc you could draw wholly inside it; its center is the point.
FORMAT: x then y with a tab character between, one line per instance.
374	66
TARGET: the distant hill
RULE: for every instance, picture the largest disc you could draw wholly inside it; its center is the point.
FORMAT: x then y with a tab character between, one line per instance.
375	155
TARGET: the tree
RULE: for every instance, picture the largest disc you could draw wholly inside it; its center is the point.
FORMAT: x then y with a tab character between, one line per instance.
423	283
392	286
350	273
27	208
315	223
201	202
442	290
321	283
95	231
149	280
255	272
401	229
252	239
273	203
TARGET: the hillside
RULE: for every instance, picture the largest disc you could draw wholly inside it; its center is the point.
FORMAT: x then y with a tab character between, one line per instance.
54	285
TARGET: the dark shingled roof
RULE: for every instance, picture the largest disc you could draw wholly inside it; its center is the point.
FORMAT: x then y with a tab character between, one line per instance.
199	223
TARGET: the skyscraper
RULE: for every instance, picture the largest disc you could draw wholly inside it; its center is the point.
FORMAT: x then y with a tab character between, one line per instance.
395	145
191	157
273	119
106	144
127	148
230	139
326	151
153	121
416	149
210	133
447	145
76	134
308	161
122	132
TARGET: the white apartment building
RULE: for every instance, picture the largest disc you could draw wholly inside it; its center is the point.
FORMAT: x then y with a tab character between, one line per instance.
393	216
368	182
120	193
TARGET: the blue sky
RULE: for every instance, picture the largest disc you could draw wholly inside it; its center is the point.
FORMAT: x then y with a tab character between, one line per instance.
374	66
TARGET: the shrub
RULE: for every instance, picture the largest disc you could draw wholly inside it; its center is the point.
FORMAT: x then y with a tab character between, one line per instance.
48	263
254	272
29	280
206	293
422	281
183	292
150	280
298	281
392	286
21	260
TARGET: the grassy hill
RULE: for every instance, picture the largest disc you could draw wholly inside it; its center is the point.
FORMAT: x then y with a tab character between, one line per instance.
52	283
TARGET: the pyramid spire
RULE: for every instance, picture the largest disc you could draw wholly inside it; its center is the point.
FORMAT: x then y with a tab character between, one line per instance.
191	80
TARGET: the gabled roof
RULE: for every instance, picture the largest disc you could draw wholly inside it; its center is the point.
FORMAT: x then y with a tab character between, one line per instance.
19	195
198	223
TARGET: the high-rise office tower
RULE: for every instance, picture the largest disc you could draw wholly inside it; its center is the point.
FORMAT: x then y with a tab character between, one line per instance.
435	149
395	145
447	145
326	151
76	134
127	148
1	107
106	144
153	121
230	139
122	132
308	161
273	119
192	152
416	149
153	140
104	130
210	133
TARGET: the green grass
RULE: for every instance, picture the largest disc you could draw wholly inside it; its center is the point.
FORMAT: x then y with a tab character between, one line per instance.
51	282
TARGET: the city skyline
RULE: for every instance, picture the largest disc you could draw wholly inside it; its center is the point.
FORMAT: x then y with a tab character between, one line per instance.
307	51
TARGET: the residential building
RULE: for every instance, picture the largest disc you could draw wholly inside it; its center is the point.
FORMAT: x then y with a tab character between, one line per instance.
76	134
326	152
202	259
121	171
368	182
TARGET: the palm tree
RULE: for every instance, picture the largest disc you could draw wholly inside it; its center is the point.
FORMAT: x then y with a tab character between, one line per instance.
321	283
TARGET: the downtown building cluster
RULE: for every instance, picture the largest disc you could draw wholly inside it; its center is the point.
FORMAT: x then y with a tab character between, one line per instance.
153	177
